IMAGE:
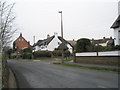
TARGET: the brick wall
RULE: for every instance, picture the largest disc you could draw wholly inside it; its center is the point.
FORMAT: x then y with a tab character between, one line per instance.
104	60
21	43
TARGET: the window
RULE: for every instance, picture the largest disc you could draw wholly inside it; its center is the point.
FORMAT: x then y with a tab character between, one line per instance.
58	43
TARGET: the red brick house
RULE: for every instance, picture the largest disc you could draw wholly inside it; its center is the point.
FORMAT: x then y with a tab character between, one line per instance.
20	43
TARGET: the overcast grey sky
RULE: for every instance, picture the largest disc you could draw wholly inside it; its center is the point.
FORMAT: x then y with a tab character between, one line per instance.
81	18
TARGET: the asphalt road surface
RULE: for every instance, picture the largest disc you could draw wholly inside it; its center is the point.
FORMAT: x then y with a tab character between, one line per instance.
42	74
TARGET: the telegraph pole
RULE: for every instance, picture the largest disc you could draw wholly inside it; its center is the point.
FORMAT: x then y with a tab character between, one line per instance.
34	41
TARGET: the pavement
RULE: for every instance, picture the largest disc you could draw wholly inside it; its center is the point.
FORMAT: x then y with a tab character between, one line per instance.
12	80
43	74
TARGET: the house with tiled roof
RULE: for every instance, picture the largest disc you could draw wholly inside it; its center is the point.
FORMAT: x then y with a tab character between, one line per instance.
103	42
52	43
21	43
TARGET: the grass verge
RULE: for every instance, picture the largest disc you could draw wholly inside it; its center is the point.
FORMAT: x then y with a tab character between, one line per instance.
89	67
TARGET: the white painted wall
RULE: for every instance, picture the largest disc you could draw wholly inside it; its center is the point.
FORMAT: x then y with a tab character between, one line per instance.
117	36
87	54
119	8
107	53
54	43
69	48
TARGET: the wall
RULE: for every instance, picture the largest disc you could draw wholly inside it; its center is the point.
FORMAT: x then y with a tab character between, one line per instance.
119	8
54	43
107	53
104	58
117	36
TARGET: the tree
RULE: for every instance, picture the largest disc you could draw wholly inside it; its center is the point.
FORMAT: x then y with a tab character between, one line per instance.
83	45
6	24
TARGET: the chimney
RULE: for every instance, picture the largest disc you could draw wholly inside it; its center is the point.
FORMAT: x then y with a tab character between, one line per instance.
28	42
104	38
110	37
48	36
20	34
56	34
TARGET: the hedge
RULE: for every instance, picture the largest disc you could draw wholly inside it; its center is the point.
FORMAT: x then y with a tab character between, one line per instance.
38	54
27	55
59	53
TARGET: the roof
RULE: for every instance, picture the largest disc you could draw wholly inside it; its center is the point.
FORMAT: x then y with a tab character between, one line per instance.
62	46
116	24
48	40
64	41
44	42
110	41
72	42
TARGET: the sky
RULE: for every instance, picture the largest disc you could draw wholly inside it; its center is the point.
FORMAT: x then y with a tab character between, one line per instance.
81	18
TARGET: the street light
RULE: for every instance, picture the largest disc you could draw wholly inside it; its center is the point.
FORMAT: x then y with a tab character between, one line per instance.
61	24
62	36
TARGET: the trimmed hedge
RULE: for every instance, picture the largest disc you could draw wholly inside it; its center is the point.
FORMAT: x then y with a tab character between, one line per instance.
39	54
27	55
59	53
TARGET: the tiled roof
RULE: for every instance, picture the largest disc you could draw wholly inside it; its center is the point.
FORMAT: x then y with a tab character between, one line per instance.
116	24
110	41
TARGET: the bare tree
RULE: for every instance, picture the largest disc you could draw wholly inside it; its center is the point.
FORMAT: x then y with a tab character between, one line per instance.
7	18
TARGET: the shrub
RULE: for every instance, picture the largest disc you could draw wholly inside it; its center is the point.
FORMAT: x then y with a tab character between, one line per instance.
117	47
57	53
67	53
27	55
39	54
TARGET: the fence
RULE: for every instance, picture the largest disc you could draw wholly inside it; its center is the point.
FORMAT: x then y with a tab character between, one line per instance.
106	58
107	53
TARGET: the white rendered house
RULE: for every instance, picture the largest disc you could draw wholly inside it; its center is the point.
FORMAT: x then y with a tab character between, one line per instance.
116	27
52	43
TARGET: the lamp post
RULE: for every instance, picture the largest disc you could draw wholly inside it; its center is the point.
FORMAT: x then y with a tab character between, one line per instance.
61	24
62	35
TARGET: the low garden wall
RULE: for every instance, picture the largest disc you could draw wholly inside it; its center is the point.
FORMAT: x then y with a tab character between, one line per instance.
104	58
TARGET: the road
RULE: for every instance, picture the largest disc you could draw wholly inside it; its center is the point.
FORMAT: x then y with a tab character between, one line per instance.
42	74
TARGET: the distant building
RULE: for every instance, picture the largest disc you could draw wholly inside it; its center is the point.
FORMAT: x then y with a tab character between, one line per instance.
103	42
52	43
20	43
72	42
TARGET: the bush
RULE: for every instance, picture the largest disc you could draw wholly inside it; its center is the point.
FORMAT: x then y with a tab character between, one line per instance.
67	53
27	55
82	45
39	54
57	53
117	47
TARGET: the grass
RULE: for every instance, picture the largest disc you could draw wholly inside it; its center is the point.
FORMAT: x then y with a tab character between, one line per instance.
42	59
0	57
89	67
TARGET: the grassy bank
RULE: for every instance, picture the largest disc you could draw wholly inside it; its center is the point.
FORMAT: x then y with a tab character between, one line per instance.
90	67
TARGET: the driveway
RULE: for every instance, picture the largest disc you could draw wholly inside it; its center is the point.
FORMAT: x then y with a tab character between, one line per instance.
42	74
